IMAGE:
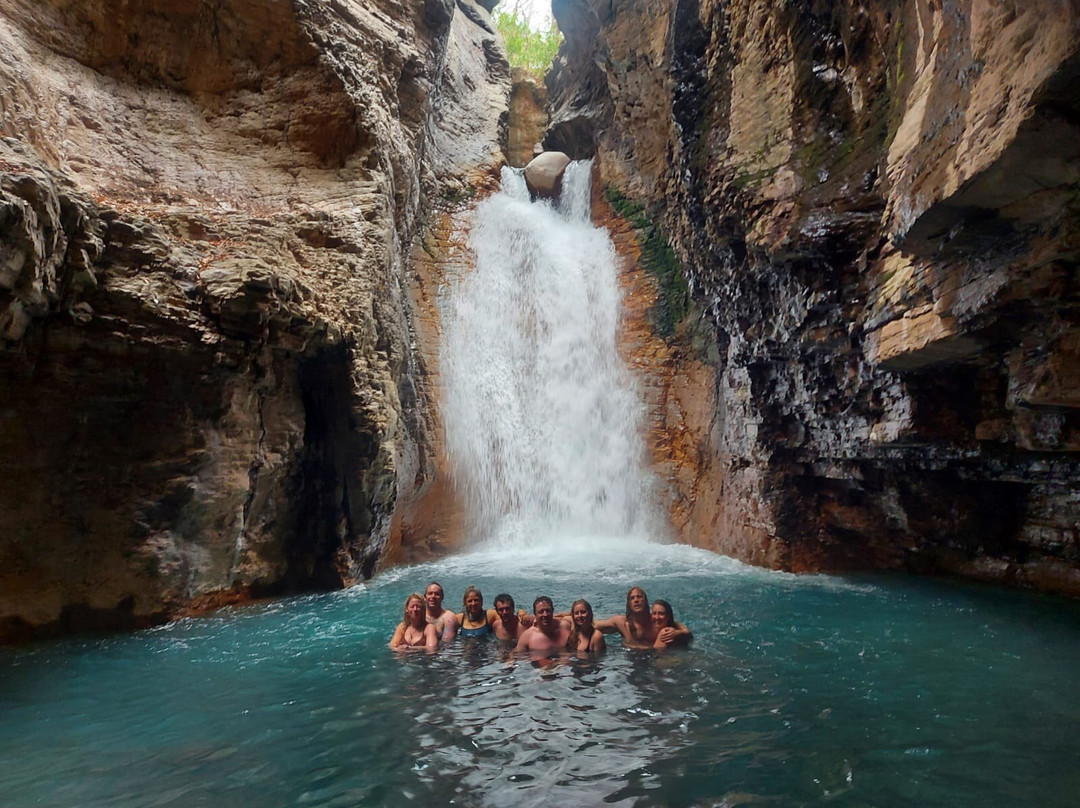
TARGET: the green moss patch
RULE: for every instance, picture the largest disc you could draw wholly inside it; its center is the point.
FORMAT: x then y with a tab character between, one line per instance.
673	293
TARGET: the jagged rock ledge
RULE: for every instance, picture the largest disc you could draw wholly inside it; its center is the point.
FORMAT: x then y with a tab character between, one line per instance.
876	205
211	383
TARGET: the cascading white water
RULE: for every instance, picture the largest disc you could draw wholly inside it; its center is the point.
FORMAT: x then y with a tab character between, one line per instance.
542	417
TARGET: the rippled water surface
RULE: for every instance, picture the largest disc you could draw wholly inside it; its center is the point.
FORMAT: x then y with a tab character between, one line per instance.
797	691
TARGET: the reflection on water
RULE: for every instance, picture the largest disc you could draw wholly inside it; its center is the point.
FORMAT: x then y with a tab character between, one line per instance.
797	691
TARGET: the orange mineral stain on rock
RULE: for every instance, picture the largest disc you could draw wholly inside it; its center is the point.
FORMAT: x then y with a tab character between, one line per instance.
679	391
429	520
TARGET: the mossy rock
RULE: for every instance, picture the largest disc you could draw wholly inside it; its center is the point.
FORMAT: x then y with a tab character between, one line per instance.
673	302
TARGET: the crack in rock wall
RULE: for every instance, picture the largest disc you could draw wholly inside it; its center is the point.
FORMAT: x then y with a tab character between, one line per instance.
208	366
876	205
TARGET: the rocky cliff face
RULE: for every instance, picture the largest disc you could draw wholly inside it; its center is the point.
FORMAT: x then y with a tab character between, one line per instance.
209	386
876	205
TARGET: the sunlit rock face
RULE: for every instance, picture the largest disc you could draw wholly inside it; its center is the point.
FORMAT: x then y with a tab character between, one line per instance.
527	120
877	206
210	384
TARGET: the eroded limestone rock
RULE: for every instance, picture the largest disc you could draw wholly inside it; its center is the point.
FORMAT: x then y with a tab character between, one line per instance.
206	343
877	205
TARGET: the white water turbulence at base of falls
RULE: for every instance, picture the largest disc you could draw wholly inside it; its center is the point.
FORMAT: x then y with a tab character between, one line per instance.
543	420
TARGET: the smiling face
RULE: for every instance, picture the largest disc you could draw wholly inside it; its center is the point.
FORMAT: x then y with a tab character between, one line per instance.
545	614
582	614
433	595
660	616
474	604
414	610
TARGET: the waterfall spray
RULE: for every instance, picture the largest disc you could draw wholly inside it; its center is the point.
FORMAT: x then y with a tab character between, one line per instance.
543	422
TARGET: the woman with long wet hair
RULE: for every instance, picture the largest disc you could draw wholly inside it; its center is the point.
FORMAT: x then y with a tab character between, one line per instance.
474	620
663	616
414	632
584	635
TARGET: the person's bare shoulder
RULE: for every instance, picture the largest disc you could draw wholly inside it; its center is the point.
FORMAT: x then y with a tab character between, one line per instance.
524	639
598	642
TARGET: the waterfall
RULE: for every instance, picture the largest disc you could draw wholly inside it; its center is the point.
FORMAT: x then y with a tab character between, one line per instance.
543	421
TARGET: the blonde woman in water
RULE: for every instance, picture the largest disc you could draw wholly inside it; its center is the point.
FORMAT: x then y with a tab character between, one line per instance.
414	632
584	635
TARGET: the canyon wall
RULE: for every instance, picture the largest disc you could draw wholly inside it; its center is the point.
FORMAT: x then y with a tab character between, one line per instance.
210	386
875	205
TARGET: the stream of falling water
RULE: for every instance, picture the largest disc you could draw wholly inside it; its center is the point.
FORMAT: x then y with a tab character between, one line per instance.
543	422
875	692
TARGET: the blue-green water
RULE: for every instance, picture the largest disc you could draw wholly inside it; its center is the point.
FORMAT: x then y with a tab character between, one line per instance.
797	691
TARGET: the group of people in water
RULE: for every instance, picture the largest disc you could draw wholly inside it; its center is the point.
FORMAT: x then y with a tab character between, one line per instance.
426	624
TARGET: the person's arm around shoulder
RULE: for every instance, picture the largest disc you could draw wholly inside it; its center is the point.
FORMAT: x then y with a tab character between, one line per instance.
611	625
673	635
398	640
431	638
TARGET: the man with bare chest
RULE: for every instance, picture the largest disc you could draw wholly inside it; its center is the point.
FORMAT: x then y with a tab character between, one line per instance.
445	620
637	627
547	634
507	625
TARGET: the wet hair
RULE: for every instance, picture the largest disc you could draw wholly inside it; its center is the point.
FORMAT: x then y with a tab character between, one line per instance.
543	599
504	598
435	583
667	611
629	622
572	640
471	590
405	612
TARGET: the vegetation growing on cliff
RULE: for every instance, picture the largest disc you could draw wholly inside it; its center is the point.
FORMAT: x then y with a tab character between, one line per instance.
526	48
673	293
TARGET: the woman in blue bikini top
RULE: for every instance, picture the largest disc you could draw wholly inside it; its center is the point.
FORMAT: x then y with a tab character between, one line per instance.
474	621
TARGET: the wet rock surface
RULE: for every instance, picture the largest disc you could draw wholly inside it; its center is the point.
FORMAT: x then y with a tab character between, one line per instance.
877	206
207	352
544	174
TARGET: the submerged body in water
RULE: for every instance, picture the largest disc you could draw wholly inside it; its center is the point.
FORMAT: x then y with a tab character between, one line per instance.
877	691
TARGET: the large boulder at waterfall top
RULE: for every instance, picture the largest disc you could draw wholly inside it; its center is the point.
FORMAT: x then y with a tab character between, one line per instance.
544	174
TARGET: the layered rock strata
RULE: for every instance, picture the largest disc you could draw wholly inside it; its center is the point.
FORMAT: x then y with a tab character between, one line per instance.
876	203
209	381
527	118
